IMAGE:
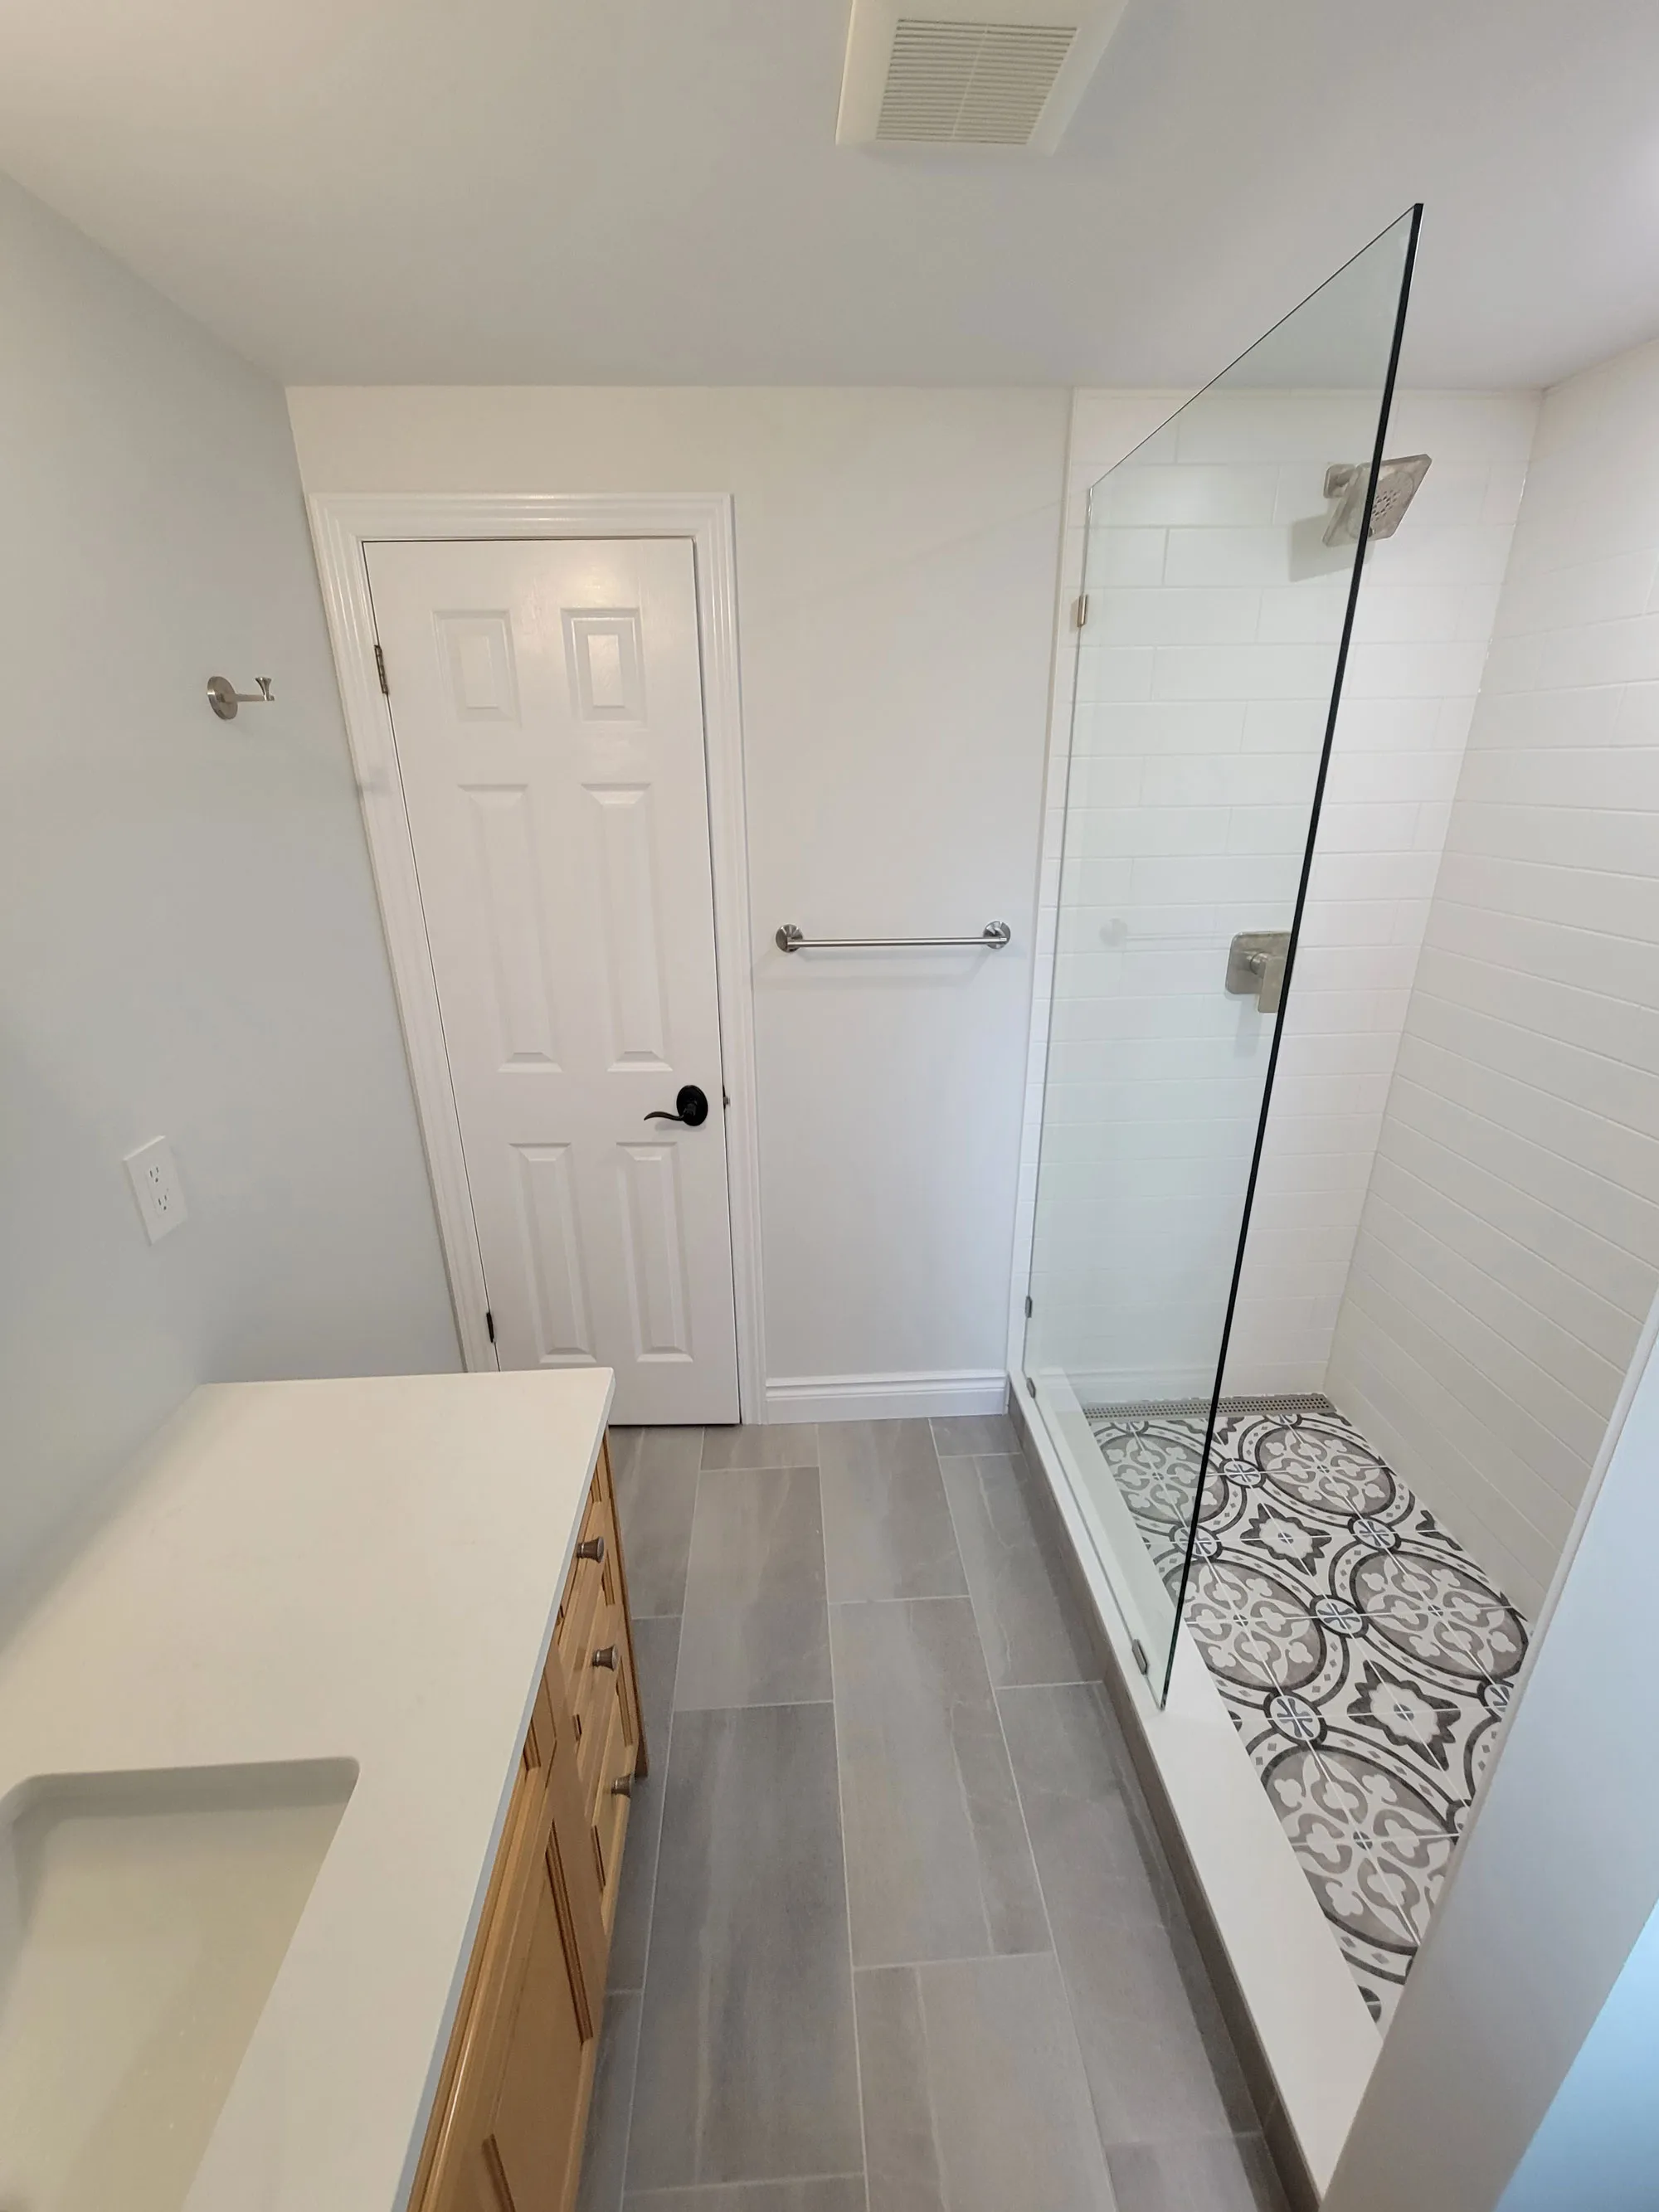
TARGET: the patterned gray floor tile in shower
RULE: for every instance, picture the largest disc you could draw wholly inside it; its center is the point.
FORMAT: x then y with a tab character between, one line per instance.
1366	1659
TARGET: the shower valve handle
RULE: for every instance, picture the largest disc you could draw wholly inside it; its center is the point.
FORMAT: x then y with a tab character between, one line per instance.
1256	960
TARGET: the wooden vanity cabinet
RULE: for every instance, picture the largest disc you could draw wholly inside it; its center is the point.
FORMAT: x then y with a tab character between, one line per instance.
507	2128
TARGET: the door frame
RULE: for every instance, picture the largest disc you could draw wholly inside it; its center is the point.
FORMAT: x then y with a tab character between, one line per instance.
342	524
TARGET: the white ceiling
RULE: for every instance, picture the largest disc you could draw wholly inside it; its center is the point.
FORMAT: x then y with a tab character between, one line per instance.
649	191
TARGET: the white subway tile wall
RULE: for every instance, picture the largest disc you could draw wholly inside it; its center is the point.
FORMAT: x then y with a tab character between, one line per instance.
1202	683
1509	1244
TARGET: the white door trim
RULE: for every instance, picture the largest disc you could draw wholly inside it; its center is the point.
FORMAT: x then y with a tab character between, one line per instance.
341	524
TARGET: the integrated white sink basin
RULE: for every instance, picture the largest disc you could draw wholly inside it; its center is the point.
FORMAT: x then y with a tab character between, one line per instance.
143	1920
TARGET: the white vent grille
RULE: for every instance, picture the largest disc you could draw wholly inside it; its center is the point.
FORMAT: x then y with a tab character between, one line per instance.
969	84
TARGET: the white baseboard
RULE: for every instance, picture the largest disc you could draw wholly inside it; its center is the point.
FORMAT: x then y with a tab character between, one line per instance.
886	1397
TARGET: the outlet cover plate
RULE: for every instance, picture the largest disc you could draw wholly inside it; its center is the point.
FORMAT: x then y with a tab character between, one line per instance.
155	1185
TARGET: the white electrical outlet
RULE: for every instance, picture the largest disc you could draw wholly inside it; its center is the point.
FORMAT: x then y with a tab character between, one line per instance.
156	1187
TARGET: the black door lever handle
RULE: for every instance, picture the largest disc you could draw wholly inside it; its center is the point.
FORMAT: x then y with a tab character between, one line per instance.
690	1106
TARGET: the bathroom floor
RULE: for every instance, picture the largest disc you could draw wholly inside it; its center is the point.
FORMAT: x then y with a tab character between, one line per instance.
894	1931
1364	1658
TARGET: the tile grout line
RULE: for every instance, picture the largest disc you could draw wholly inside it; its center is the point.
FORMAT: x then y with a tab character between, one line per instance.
764	1706
846	1877
966	1958
677	2189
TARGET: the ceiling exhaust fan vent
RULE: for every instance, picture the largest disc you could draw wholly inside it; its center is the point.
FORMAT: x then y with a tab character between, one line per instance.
969	84
991	73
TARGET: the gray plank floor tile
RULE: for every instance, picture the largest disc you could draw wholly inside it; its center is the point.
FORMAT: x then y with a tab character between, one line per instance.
605	2154
833	2193
778	1443
622	1443
656	1648
937	1859
887	1529
663	1449
746	2066
1031	1629
1222	2173
976	2099
757	1631
900	2141
1144	2046
974	1432
772	1653
757	1534
655	1475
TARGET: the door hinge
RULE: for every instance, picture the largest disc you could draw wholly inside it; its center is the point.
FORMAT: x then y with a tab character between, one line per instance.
489	1323
1028	1308
379	668
1079	611
1030	1386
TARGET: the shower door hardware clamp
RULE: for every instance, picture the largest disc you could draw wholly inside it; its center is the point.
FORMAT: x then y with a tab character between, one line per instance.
1256	960
1079	611
992	938
224	698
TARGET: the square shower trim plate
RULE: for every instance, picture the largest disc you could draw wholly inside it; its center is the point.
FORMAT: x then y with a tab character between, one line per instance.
1317	2038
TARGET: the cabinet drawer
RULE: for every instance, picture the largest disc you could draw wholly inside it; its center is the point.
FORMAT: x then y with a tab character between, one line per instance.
610	1702
610	1804
582	1582
603	1630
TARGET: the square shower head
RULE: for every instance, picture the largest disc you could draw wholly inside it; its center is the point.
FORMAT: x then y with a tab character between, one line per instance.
1346	482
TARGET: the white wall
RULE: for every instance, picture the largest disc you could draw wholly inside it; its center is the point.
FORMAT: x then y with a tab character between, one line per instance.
1552	1887
188	940
1189	798
1510	1239
896	556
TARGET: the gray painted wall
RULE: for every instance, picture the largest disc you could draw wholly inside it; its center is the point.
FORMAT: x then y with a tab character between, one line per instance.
1599	2140
189	943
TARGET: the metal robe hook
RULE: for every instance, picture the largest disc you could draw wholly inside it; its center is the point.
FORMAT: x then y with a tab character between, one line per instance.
224	698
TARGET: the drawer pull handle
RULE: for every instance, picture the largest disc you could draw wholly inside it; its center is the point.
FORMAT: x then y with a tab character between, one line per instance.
606	1656
592	1549
622	1786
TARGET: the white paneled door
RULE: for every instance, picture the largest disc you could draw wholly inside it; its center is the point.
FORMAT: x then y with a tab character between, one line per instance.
547	702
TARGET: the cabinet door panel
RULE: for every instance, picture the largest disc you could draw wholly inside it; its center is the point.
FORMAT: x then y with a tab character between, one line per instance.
567	1812
534	2144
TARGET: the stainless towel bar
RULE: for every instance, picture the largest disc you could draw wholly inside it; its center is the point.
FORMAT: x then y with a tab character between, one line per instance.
990	938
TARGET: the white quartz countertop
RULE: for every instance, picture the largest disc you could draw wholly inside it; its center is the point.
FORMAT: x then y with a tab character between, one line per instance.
366	1570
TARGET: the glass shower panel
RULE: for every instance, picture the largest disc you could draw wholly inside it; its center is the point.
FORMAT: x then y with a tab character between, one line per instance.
1221	565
